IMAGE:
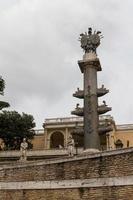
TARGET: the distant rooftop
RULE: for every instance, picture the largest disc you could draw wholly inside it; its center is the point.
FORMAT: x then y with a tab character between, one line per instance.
80	119
73	119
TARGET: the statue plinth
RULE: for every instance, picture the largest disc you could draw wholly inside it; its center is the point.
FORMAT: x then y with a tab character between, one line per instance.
89	56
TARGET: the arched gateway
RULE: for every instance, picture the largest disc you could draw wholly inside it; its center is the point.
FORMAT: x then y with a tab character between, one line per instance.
56	140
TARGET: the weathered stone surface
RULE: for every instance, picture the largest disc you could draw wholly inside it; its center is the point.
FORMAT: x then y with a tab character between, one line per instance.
65	184
115	164
109	164
104	193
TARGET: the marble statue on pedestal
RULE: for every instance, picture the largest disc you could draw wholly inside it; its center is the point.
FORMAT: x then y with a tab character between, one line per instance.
23	150
70	146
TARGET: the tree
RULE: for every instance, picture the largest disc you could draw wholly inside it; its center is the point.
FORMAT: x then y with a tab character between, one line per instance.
14	127
3	104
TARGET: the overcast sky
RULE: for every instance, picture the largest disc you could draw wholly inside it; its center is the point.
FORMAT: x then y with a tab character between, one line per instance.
39	50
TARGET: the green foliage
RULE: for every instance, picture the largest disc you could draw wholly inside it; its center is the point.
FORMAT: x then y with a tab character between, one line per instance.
2	87
3	104
14	127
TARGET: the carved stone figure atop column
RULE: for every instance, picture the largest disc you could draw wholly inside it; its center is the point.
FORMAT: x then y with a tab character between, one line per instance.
90	41
70	146
23	150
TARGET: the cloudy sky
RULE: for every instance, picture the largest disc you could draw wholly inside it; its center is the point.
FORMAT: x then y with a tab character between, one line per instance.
39	50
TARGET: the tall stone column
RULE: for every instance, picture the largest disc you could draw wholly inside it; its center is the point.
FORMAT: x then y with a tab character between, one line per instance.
89	67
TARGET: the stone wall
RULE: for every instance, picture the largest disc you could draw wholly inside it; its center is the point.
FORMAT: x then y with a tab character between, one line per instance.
106	193
38	141
101	176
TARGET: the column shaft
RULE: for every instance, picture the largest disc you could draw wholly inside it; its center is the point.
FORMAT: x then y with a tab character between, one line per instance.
91	136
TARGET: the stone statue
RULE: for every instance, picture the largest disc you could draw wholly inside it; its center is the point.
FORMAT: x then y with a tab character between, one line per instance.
77	105
90	41
104	103
23	150
2	145
70	146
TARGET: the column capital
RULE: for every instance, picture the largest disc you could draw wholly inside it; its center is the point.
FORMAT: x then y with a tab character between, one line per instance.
90	63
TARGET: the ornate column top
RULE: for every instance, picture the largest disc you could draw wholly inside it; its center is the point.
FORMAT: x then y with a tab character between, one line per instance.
90	41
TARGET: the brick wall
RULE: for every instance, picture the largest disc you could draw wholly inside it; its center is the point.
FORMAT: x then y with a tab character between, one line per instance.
98	166
104	193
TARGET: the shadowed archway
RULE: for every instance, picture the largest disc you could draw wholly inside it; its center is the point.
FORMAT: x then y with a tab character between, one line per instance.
56	140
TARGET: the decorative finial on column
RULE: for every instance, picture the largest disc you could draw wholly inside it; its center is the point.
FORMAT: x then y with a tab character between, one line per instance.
90	41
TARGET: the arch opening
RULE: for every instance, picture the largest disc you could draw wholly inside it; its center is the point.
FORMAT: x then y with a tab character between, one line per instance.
57	140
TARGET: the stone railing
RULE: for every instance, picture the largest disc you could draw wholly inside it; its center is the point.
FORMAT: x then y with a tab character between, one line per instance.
37	153
65	119
39	131
125	127
73	119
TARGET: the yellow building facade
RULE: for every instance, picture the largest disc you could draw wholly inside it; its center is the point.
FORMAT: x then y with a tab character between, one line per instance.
57	131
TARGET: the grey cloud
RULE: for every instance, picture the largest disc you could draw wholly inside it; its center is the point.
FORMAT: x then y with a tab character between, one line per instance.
39	50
